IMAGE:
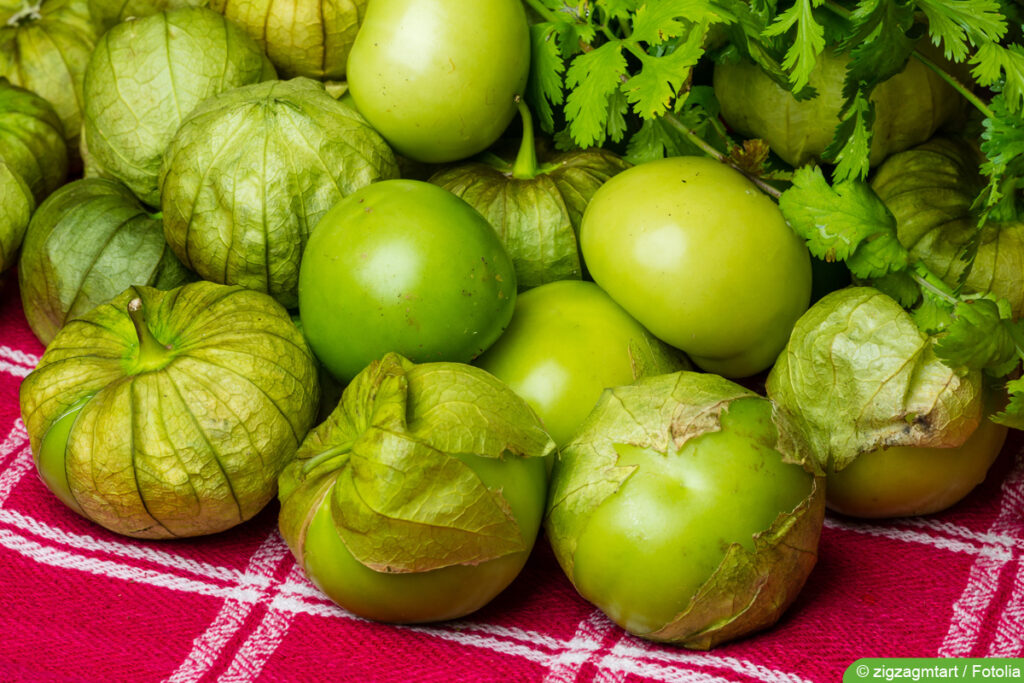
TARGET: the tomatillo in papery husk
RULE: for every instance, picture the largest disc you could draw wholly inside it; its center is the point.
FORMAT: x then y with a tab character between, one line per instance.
930	190
86	243
251	172
15	212
109	13
309	38
32	139
681	511
146	76
421	495
897	431
167	414
536	208
44	47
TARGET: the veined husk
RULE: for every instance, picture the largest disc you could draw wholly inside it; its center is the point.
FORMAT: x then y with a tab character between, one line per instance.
309	38
32	139
858	375
146	76
87	243
44	47
385	462
929	190
15	212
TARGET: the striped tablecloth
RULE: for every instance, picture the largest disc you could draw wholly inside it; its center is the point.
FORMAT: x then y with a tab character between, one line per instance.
81	604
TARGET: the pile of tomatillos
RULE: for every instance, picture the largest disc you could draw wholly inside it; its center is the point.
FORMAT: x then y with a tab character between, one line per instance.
318	251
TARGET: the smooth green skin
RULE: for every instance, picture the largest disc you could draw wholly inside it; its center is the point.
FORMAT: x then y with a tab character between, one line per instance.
85	244
701	258
440	594
51	461
437	78
567	342
913	480
909	108
404	266
651	545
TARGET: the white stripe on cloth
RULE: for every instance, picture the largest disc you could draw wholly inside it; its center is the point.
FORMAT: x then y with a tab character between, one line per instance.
586	643
1009	638
974	604
631	649
16	370
262	643
19	357
210	645
997	552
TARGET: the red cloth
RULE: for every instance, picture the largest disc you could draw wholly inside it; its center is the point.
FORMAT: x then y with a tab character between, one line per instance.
82	604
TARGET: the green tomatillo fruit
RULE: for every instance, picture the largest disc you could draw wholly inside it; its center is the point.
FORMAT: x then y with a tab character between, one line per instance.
567	343
896	431
32	139
438	78
88	242
701	258
147	75
309	38
250	173
680	510
169	414
403	266
536	208
421	495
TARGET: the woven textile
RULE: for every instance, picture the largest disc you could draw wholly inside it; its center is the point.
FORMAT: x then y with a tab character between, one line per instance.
82	604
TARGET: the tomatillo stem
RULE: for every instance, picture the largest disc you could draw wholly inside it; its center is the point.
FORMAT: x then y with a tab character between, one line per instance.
525	167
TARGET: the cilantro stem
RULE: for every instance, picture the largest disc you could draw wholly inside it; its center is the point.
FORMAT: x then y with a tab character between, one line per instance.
955	84
705	147
525	167
541	9
928	280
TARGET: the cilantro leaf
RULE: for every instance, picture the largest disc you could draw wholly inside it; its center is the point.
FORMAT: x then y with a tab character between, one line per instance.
995	65
593	77
808	43
952	22
1013	414
653	88
1003	146
544	88
977	337
850	148
838	221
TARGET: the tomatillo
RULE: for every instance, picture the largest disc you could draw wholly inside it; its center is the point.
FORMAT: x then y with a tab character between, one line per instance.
403	266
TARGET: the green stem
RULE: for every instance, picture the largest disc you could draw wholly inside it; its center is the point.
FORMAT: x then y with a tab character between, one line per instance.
147	342
525	167
540	9
955	83
928	280
152	354
705	147
319	458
